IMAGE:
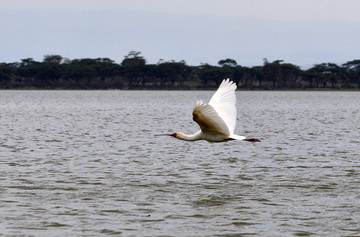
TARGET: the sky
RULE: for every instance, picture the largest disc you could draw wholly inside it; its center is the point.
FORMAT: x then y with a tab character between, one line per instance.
302	32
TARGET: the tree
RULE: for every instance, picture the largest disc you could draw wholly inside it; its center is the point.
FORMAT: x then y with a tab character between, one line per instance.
210	73
353	71
250	75
7	73
289	75
259	74
282	75
134	67
52	59
272	71
133	59
227	62
174	72
325	73
27	62
47	75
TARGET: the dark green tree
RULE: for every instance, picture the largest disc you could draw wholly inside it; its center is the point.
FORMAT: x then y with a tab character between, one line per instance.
272	72
352	69
214	74
227	62
133	59
289	75
51	58
175	73
7	76
324	74
134	68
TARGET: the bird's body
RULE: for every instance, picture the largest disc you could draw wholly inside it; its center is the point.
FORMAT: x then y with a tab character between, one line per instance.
217	119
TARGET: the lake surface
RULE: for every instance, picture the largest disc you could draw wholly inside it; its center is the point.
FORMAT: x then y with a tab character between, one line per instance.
86	163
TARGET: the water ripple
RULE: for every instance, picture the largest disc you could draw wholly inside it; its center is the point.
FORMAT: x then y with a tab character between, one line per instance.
86	163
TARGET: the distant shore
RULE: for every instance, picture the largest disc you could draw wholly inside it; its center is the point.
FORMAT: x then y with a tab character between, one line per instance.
133	73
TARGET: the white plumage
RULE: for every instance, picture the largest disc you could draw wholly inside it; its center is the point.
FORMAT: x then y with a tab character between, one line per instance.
217	119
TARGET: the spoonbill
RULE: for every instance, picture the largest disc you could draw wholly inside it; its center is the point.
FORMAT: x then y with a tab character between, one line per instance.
216	119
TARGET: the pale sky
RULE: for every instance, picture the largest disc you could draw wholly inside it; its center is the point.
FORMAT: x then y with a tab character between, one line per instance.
269	9
302	32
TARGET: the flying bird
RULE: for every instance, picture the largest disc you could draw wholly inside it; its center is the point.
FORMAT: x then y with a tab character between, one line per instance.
216	119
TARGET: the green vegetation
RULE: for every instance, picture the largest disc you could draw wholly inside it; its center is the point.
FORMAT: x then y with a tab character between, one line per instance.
56	72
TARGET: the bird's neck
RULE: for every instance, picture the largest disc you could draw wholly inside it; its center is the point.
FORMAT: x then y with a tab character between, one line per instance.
186	137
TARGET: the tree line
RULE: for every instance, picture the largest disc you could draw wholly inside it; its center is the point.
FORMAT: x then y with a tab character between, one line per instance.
57	72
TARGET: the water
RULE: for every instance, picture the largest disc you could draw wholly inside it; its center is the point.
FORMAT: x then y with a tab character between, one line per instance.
85	163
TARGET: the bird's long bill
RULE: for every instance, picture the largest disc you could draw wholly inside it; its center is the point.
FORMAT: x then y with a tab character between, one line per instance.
156	135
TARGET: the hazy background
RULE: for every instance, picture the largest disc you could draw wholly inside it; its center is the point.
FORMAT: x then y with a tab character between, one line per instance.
204	31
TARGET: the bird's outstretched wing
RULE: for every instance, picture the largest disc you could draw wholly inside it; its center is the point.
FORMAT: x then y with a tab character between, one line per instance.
224	103
209	120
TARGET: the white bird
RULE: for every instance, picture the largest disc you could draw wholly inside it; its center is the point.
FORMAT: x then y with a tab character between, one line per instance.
217	119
